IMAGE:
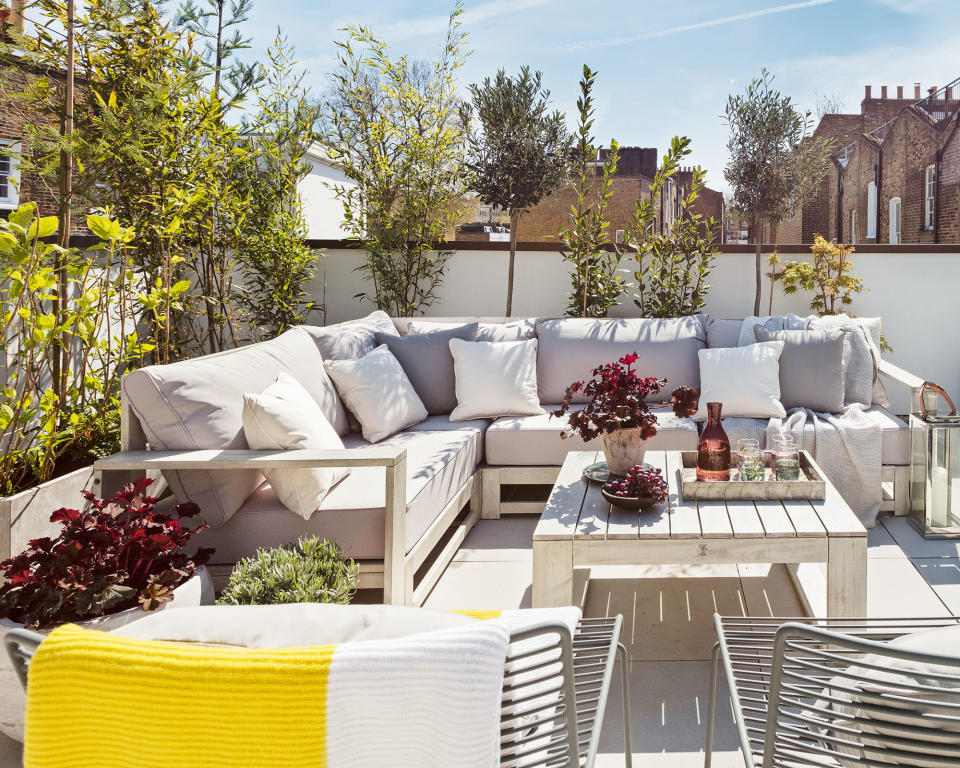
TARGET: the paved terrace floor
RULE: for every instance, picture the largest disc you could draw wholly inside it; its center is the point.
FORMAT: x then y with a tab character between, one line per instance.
668	628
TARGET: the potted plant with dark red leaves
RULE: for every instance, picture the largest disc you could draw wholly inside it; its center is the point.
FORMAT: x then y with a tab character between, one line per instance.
617	411
108	564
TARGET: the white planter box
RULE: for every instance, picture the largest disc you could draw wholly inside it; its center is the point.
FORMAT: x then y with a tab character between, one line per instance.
26	515
196	591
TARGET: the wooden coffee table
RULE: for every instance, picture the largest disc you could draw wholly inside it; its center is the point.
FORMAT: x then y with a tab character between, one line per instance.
579	527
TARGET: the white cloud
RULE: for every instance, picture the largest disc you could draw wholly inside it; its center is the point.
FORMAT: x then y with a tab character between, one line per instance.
614	41
436	25
911	6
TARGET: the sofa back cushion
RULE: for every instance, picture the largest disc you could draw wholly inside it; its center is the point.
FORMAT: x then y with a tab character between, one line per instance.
198	404
428	363
352	339
512	330
859	356
722	332
570	348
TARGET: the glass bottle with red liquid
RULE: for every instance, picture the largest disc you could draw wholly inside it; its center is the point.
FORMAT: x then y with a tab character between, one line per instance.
713	450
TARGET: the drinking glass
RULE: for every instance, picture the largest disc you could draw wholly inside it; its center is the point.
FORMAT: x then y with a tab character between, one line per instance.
750	461
786	458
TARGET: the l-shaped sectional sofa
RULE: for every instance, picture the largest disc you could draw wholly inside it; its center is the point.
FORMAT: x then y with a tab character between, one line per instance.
410	499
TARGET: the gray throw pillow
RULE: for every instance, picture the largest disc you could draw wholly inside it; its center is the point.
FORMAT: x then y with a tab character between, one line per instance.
811	368
428	363
351	339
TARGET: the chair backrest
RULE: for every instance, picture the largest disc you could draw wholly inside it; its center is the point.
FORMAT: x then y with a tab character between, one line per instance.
538	717
837	699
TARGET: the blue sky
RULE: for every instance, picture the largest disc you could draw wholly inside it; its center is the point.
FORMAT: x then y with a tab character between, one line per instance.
665	66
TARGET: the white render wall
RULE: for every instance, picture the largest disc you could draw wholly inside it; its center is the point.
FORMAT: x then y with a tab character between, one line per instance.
916	294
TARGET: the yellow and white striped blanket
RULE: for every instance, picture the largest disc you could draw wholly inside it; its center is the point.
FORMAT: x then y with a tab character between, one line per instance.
98	700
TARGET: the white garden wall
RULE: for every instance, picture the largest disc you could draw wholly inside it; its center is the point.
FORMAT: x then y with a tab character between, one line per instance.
916	294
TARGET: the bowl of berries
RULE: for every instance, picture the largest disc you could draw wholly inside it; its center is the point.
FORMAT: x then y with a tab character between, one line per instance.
642	487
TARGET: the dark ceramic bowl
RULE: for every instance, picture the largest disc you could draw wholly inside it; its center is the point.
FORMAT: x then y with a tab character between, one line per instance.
629	502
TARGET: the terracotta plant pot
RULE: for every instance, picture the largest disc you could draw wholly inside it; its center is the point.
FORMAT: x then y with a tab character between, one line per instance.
624	449
197	590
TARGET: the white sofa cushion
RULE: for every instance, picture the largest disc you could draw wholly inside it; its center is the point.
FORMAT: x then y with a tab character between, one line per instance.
285	417
377	392
441	457
513	330
351	339
536	441
495	378
745	379
894	432
570	348
198	404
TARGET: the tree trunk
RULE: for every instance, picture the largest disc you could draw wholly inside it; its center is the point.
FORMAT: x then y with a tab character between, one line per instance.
757	237
514	220
775	227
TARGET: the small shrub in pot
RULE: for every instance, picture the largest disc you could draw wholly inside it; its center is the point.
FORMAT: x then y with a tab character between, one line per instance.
313	570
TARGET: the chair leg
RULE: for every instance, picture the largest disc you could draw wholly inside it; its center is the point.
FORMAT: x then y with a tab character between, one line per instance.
711	706
625	694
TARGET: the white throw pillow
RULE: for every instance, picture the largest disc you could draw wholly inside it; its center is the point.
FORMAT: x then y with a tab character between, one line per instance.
284	416
495	378
745	379
378	392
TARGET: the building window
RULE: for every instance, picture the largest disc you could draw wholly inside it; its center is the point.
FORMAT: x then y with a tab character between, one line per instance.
895	220
853	227
9	175
930	196
872	209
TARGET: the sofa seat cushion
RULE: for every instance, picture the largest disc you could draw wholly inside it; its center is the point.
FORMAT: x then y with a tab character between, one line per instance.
440	458
895	433
198	404
570	348
536	441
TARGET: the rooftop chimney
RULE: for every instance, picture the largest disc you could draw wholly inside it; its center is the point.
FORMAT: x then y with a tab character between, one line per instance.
15	19
883	91
916	90
932	90
866	91
899	91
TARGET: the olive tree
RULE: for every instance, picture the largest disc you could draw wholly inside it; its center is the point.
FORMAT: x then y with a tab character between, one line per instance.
520	155
774	164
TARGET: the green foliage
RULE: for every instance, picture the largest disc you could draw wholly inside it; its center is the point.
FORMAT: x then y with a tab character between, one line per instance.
276	263
521	153
595	260
110	319
773	165
393	128
310	571
674	264
830	277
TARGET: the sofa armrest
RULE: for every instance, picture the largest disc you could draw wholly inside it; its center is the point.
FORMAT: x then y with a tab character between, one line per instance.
279	459
894	373
397	587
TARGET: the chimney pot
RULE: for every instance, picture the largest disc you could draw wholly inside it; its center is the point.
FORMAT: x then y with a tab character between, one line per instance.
899	91
883	91
948	94
866	91
916	90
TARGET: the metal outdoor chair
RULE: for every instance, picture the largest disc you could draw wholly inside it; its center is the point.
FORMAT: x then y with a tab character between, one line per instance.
554	691
802	696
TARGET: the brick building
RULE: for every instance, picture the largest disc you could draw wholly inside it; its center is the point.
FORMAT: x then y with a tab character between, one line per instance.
635	171
895	173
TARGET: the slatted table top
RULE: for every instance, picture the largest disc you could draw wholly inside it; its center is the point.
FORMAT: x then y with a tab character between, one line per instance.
577	510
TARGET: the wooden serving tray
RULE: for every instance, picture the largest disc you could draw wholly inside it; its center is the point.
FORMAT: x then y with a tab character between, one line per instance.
811	484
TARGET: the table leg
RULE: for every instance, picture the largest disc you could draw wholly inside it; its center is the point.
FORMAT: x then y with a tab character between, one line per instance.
552	573
847	576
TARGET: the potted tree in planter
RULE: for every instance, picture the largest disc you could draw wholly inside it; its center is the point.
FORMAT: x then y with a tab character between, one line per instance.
107	565
617	411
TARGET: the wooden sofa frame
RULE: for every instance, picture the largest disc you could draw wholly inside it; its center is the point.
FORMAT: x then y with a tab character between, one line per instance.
480	493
